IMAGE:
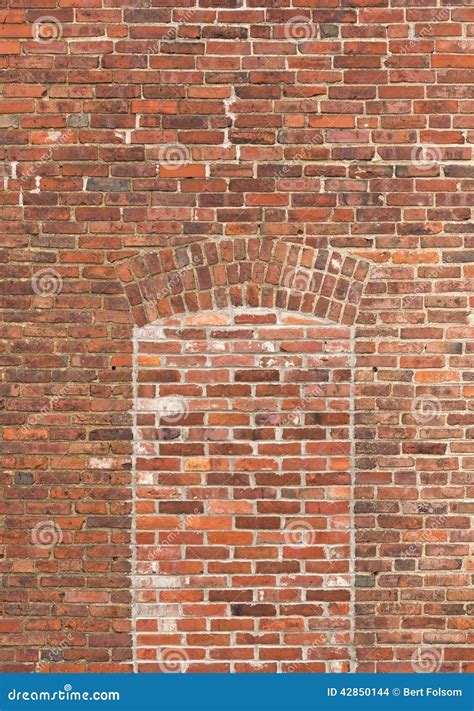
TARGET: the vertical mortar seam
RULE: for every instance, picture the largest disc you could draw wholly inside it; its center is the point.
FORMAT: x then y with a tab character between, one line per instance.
134	495
352	545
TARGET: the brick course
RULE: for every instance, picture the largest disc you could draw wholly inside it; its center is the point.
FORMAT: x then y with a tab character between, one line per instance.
169	162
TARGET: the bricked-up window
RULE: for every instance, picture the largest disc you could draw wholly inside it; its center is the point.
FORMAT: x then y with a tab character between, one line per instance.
242	493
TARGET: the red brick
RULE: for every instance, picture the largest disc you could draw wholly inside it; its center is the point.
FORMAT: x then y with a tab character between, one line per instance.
327	179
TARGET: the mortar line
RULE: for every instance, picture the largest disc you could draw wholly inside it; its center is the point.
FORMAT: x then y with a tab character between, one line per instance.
133	539
352	545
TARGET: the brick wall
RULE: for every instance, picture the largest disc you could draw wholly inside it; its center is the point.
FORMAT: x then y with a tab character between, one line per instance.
243	493
306	160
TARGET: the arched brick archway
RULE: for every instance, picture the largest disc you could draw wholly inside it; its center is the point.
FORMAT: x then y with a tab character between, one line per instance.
243	272
203	507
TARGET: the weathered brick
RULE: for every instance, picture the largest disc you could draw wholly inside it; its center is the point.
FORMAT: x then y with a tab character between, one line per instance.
227	158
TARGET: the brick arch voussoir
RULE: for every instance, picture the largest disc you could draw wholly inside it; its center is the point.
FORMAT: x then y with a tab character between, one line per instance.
244	272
